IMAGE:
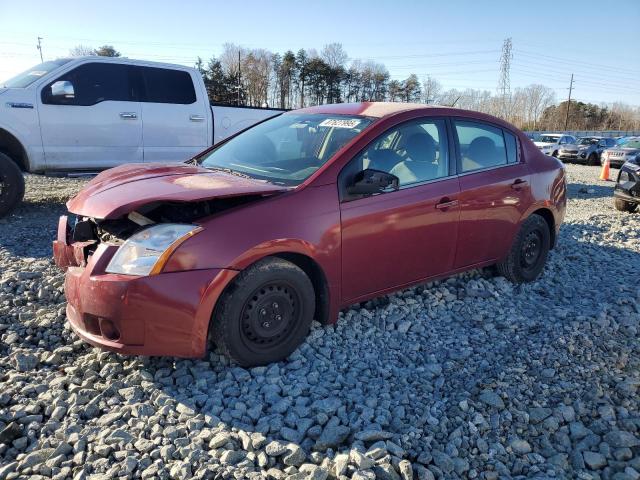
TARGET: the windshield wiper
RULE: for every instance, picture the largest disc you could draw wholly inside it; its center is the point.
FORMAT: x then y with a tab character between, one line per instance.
231	172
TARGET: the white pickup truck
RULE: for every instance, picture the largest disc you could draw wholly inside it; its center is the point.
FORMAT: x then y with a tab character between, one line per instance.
87	114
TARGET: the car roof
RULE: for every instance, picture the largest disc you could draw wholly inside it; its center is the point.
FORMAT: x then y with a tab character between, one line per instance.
381	110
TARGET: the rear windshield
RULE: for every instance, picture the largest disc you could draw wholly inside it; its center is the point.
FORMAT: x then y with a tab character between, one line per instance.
286	149
34	73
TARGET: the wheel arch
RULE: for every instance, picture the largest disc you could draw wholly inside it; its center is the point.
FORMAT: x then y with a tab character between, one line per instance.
551	222
13	147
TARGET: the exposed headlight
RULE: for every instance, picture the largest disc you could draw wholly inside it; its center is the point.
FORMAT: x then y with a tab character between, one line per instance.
147	251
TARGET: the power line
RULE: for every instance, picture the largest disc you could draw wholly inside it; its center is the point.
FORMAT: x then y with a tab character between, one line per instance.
39	47
566	117
504	83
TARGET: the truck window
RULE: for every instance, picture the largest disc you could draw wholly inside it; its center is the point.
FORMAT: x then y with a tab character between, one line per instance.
163	85
92	83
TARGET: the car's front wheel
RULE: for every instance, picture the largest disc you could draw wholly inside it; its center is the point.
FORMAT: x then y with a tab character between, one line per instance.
624	206
593	160
529	251
265	314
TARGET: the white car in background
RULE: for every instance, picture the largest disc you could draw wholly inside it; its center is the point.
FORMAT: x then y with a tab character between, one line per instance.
552	143
88	114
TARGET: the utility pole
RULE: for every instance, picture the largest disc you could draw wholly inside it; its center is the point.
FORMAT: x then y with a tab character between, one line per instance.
238	77
566	117
39	47
504	83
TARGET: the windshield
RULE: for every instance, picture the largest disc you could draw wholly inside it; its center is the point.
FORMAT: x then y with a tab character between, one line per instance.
587	141
34	73
286	149
622	141
548	139
632	143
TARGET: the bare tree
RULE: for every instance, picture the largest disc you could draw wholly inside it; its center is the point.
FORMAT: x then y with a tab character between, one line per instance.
334	55
431	90
82	51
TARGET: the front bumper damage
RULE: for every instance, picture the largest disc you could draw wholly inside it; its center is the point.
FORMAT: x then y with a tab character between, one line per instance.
165	314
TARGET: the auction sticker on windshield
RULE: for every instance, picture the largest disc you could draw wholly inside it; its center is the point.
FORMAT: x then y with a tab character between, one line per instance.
338	123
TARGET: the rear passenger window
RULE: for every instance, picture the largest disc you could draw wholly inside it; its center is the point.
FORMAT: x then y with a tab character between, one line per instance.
481	146
512	147
168	86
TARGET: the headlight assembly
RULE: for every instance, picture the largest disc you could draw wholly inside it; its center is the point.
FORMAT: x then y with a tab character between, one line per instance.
147	251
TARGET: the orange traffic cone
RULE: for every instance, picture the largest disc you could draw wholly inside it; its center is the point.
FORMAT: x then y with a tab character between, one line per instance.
604	173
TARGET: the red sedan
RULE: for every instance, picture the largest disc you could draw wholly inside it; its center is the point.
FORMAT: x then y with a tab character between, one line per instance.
298	217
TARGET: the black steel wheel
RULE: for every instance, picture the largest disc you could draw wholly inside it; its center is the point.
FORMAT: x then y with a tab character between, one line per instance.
529	251
265	314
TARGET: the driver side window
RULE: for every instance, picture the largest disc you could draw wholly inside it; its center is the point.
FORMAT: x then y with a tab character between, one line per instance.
415	152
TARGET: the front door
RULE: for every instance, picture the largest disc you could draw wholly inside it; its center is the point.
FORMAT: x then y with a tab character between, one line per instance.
494	191
398	237
90	119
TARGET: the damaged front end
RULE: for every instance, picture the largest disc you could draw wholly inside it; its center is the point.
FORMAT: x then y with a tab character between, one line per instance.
78	237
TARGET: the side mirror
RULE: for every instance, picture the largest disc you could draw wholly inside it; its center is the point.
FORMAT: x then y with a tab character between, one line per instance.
370	181
62	89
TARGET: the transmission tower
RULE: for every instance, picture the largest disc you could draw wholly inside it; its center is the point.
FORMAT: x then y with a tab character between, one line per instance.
504	83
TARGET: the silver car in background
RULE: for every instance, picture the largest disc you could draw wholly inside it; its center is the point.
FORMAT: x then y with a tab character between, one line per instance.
552	143
623	152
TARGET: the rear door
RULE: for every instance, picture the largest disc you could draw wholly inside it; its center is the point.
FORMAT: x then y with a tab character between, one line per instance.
494	191
174	117
96	124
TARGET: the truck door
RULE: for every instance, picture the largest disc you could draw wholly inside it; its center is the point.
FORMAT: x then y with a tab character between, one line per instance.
175	120
90	118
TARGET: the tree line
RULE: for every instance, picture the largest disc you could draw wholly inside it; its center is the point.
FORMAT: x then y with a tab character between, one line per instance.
258	78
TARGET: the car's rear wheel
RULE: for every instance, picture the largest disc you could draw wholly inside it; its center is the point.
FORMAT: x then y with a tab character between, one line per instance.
11	185
593	160
265	314
624	206
529	251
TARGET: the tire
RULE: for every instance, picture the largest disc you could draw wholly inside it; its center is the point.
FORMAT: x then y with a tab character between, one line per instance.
529	251
593	160
624	206
271	289
555	154
11	185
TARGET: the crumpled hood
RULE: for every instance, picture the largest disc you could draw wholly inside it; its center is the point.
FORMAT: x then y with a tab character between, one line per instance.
123	189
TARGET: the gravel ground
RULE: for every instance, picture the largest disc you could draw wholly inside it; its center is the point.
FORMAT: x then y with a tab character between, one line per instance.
472	377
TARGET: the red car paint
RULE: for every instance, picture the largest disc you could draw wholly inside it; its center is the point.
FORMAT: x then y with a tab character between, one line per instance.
362	248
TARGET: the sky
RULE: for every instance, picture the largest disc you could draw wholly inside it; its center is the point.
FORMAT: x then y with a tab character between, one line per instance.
457	42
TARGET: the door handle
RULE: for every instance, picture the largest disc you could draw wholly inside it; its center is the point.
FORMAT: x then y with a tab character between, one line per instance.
446	203
519	183
196	118
129	115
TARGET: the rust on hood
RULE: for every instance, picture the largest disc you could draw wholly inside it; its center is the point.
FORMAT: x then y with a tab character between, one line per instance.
123	189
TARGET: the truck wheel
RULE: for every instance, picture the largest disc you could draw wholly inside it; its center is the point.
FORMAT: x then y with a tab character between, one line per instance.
624	206
264	314
528	253
11	185
593	160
